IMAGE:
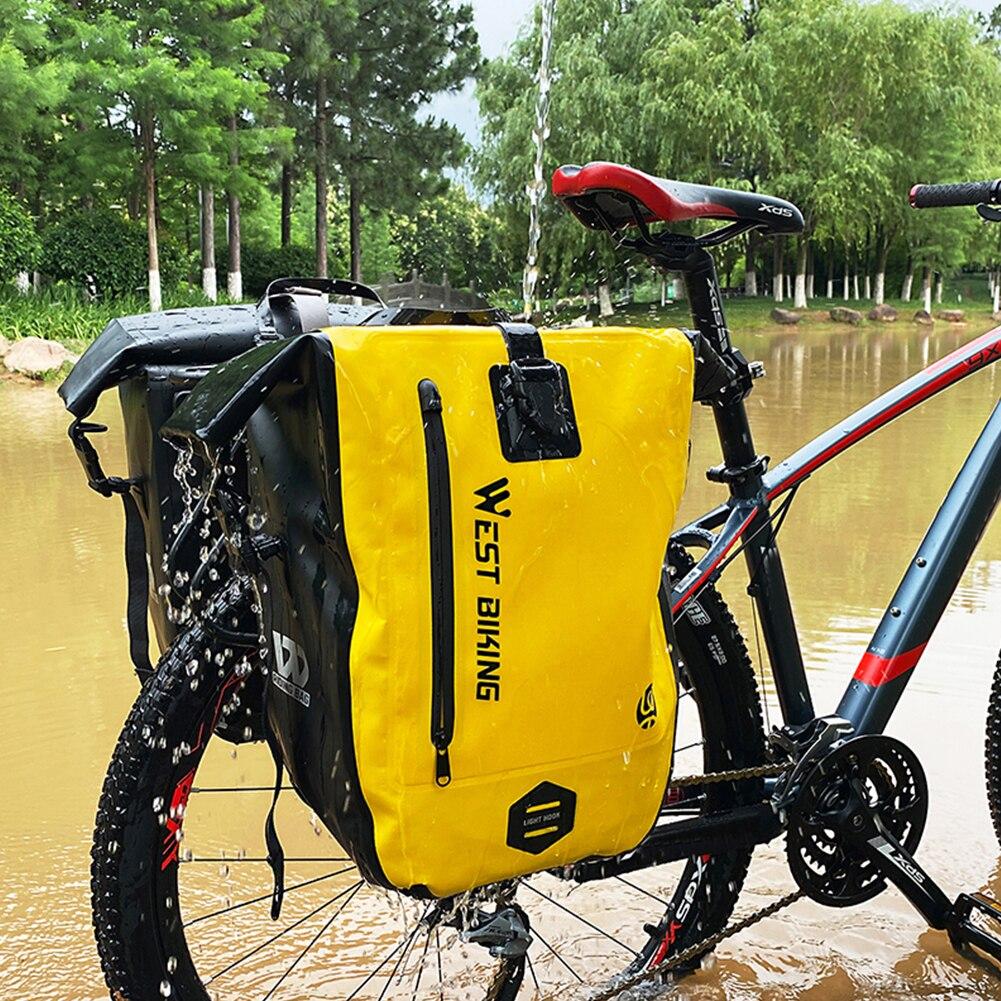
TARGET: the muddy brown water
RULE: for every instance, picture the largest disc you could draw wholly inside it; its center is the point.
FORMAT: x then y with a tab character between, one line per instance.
65	687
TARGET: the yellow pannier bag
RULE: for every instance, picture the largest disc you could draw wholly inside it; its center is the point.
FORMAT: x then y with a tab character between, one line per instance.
462	590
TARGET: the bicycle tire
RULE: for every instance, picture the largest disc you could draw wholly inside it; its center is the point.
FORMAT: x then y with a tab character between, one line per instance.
992	751
139	938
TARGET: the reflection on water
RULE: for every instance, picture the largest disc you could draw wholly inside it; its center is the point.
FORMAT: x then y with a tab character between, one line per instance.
65	685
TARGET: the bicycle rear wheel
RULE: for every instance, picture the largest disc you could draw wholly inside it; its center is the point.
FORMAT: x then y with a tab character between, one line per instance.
181	888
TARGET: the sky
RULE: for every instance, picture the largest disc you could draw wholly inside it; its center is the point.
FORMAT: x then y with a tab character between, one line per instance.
498	22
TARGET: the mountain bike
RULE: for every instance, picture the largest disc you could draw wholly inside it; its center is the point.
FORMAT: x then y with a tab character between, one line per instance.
180	911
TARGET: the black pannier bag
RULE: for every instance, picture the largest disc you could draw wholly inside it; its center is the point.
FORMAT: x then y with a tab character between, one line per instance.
155	360
459	534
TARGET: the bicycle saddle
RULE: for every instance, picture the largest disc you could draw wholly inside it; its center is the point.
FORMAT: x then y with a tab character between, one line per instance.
611	196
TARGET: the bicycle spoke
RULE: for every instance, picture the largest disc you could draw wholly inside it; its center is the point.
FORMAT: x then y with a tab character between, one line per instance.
316	938
266	896
400	959
239	788
646	893
441	981
531	970
284	931
288	858
689	747
396	948
582	919
573	972
420	968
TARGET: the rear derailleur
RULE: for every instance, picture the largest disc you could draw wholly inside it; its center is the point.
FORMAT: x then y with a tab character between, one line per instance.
505	932
855	810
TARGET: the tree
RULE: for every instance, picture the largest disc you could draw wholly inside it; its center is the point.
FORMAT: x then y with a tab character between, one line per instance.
151	85
18	242
393	58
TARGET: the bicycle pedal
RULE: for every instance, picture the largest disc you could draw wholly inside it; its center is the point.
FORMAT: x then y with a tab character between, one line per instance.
963	931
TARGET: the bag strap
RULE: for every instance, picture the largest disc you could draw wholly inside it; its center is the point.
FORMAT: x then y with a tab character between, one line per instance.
137	575
523	342
136	568
276	854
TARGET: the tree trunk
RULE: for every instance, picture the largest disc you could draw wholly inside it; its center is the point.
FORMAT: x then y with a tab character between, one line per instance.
905	291
286	196
830	286
209	286
810	269
847	278
663	291
23	282
880	290
926	288
799	295
605	299
997	293
234	276
855	294
354	214
750	270
868	286
320	138
149	176
778	280
938	288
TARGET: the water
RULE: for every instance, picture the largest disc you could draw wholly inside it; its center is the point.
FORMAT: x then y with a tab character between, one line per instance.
66	685
536	188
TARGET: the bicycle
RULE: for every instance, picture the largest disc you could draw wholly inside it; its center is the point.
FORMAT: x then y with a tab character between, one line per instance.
851	802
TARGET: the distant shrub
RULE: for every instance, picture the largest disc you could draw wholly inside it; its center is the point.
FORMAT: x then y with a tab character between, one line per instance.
106	253
18	241
261	265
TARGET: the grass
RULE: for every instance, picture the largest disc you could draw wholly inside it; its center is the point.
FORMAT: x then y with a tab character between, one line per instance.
59	314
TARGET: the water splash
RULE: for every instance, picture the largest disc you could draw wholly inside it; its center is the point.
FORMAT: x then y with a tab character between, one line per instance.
536	188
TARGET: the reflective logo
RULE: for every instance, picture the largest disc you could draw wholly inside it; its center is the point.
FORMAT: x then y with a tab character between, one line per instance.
494	494
775	210
541	817
646	709
291	671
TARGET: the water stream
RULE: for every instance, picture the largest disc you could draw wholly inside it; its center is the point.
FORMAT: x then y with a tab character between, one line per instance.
537	186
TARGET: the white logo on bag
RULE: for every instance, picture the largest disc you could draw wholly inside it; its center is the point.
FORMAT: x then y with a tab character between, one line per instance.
291	668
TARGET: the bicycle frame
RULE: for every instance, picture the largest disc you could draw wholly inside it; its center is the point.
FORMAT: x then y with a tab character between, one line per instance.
930	579
746	522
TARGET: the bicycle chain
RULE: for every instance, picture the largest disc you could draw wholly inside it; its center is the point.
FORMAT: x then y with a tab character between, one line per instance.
706	945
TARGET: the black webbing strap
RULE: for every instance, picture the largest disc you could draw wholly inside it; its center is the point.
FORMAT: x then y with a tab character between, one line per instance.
523	341
276	854
137	573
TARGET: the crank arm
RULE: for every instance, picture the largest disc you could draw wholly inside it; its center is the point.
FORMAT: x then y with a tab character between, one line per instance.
898	866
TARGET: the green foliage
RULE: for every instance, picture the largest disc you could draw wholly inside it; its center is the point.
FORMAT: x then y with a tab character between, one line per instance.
839	106
452	235
105	253
61	313
18	242
262	264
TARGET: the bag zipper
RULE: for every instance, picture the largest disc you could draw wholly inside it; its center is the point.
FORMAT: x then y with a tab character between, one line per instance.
442	581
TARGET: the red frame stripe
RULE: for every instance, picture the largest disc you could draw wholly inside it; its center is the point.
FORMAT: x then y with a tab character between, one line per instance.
875	670
715	563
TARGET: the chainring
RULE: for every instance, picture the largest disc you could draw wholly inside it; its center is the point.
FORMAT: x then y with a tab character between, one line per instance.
890	777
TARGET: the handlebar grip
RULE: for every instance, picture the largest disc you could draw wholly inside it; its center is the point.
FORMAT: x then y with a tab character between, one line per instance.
932	196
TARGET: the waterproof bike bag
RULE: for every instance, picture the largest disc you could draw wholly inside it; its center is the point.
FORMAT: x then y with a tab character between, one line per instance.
460	534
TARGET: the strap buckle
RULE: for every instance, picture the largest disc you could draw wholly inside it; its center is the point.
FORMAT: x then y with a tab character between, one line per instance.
97	480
